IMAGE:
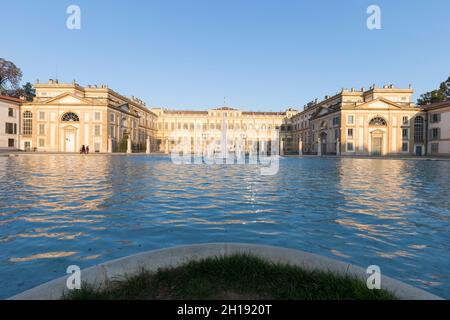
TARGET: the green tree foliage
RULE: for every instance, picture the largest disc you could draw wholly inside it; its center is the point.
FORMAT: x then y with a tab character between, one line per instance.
26	91
438	95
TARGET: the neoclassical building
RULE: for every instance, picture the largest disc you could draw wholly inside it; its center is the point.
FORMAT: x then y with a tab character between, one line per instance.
257	130
377	121
438	128
9	122
65	116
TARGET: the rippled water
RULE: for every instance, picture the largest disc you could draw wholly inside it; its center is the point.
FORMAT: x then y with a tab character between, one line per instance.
58	210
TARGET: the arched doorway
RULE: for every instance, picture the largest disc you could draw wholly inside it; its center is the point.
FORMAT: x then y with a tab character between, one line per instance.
70	131
377	142
377	135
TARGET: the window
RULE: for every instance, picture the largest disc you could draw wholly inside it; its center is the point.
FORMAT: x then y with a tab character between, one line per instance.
42	129
405	147
111	117
70	117
336	121
97	130
336	133
405	120
435	148
27	123
11	143
350	146
97	116
435	118
41	142
350	133
41	115
435	133
377	121
10	128
418	129
350	119
10	112
405	134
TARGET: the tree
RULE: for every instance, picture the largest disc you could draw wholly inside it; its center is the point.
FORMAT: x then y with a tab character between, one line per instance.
439	95
10	76
27	91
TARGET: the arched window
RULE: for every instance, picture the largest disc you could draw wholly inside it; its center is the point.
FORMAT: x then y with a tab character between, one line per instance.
70	117
418	129
27	123
378	121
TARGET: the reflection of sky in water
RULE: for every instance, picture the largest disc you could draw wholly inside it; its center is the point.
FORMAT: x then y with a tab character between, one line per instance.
60	210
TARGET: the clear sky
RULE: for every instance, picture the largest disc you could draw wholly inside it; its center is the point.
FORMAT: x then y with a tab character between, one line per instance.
261	55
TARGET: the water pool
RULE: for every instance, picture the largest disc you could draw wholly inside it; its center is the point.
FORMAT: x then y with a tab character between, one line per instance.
60	210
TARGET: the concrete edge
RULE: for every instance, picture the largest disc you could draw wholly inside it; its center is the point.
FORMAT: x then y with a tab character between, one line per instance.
153	260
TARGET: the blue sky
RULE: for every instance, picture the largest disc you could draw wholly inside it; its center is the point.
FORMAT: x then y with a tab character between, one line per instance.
261	55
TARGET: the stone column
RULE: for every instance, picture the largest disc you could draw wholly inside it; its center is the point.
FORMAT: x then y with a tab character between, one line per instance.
338	147
166	146
147	150
110	145
281	147
300	147
319	148
129	145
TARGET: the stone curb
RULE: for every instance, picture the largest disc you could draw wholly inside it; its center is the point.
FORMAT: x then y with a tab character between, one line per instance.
152	260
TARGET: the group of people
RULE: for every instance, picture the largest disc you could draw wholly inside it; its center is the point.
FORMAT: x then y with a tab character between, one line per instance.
84	149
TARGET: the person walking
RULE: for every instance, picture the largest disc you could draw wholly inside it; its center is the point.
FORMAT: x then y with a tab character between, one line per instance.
83	149
87	149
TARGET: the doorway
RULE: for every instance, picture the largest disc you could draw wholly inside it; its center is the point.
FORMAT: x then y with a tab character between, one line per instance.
70	141
377	146
419	151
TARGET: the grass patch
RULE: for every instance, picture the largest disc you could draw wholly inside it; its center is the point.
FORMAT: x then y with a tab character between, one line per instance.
232	277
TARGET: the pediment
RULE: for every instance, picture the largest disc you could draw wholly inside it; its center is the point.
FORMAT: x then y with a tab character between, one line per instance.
67	98
125	107
379	104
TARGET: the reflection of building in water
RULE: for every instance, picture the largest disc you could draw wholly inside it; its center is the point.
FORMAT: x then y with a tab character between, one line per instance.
365	191
70	184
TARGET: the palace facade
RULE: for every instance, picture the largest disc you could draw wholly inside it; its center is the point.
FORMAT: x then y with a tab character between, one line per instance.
65	116
439	128
379	121
9	122
257	130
